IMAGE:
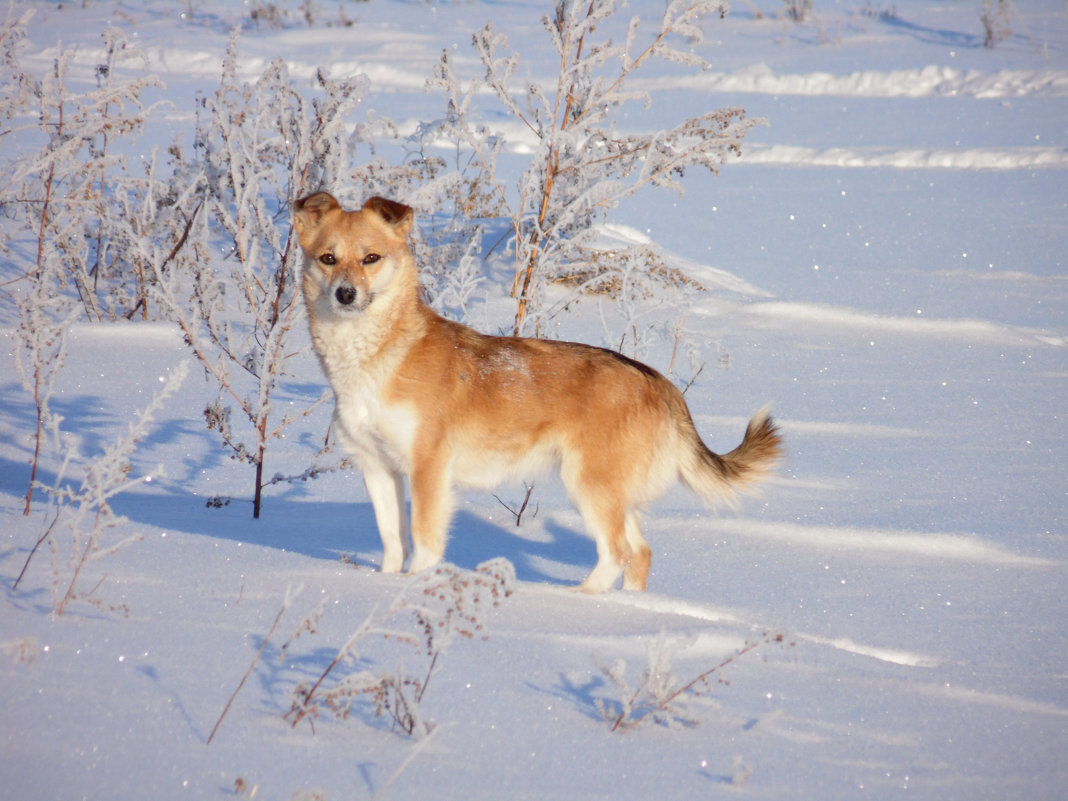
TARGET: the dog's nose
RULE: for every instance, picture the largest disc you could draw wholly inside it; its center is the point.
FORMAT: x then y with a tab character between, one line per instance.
345	295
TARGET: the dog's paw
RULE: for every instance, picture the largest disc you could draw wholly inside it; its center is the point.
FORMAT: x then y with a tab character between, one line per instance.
423	559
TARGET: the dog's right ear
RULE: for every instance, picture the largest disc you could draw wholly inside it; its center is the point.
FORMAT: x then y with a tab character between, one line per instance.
308	212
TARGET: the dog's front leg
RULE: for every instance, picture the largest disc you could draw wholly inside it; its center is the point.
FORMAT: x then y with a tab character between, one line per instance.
386	488
431	485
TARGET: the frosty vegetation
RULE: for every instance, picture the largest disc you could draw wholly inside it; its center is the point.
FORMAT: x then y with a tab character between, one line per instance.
581	167
659	696
434	609
257	146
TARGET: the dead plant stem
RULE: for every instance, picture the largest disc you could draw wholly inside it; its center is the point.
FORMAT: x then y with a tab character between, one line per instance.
666	702
248	672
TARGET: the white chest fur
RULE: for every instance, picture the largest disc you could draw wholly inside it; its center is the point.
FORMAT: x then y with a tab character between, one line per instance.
368	427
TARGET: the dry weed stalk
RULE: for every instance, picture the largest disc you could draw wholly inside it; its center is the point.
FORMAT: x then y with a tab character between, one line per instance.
290	596
996	16
659	693
520	509
445	603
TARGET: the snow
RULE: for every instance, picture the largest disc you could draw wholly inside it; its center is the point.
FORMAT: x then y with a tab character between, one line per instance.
886	264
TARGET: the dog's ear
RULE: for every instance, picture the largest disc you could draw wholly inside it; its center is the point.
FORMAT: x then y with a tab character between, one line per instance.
397	215
308	212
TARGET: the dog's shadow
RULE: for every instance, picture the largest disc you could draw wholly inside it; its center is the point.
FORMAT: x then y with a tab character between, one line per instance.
567	553
333	530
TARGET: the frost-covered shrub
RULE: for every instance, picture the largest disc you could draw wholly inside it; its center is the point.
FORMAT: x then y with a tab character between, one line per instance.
60	195
797	10
40	354
258	145
63	191
18	88
582	165
660	696
997	23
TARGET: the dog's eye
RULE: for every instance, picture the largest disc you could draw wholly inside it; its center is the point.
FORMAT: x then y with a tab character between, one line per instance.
370	258
328	259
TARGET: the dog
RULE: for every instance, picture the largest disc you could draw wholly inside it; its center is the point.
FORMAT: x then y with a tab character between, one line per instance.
426	398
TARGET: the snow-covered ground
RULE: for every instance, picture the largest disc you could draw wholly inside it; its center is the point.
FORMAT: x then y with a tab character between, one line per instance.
887	263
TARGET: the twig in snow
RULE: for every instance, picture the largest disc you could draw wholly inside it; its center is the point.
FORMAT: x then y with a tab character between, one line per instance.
289	598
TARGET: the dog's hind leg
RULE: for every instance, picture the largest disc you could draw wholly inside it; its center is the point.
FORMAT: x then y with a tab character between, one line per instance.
594	495
637	569
386	488
606	522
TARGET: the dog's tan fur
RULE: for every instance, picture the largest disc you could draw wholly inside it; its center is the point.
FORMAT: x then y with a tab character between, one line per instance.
433	400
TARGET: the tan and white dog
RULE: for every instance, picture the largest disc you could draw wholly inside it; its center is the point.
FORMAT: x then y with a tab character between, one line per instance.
424	397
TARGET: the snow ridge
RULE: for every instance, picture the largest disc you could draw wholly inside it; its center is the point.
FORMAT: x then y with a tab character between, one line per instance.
983	158
929	81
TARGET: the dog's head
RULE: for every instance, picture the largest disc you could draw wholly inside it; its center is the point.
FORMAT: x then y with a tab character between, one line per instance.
350	257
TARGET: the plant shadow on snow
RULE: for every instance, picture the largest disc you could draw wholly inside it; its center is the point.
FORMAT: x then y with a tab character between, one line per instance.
90	424
92	435
280	673
937	36
35	600
175	698
582	695
90	418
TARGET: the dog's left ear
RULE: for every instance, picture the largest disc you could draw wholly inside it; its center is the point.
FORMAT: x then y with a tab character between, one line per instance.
308	212
397	215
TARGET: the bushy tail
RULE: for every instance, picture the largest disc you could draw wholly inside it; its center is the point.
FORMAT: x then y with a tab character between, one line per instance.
717	478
